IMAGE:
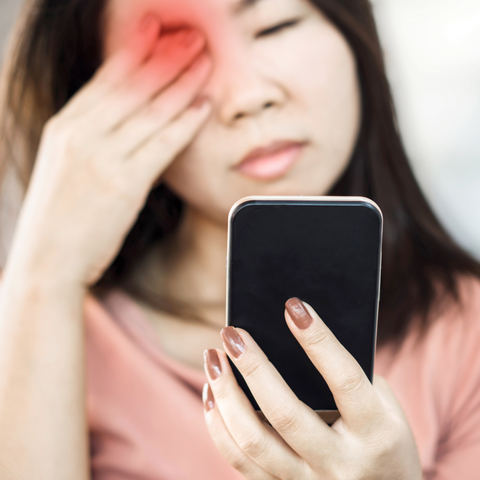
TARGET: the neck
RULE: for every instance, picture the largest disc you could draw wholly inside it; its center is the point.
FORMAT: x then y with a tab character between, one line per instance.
191	262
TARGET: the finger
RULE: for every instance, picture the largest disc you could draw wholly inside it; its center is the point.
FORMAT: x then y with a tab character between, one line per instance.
225	442
145	165
299	425
148	161
117	67
356	399
265	447
159	113
173	55
388	397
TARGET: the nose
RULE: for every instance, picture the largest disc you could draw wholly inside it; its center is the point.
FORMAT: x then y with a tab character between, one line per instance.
245	89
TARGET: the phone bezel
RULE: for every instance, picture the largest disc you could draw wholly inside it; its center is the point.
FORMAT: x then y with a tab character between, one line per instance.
329	416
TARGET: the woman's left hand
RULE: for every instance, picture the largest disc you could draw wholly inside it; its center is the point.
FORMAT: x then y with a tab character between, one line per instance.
372	439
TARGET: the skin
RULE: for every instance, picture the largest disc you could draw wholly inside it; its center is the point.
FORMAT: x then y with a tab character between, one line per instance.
372	439
136	123
307	75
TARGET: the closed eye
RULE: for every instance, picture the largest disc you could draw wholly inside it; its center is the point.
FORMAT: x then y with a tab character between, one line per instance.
278	28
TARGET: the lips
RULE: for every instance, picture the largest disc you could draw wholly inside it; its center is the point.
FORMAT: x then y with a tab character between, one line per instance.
271	161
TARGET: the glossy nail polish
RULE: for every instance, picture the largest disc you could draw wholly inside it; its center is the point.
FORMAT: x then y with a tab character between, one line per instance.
208	399
299	314
213	363
233	342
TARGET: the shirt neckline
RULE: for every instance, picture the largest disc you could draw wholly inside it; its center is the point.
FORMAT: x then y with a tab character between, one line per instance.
133	320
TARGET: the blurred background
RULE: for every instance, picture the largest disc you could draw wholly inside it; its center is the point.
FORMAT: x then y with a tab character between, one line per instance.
432	50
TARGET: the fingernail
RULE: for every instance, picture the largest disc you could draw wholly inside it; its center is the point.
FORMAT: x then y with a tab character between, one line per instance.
233	342
208	399
148	22
200	101
299	314
189	37
213	363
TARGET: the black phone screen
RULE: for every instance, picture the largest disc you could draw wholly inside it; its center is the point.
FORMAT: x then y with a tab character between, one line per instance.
325	252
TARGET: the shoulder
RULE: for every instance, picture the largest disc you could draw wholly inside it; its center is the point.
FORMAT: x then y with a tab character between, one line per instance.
469	290
458	333
454	349
454	332
444	363
436	377
451	320
449	359
459	320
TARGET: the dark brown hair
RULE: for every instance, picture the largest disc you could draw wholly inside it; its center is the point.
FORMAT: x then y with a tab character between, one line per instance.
57	50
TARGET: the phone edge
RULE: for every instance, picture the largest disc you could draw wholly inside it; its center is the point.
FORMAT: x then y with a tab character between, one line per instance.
328	416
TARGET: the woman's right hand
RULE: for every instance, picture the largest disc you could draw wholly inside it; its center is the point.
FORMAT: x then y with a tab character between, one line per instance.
100	156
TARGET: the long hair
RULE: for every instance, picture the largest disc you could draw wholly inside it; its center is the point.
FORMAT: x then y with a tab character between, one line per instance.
56	50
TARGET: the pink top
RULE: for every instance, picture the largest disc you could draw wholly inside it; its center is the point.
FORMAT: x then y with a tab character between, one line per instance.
146	415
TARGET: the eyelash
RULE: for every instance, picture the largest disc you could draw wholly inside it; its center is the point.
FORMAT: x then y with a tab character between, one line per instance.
278	28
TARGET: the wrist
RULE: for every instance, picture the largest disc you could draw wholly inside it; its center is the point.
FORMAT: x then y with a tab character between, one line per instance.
41	278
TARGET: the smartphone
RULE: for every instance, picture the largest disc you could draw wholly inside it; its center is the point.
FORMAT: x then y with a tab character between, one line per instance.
325	251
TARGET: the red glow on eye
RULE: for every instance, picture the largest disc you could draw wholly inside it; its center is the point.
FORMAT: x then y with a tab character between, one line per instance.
211	17
174	15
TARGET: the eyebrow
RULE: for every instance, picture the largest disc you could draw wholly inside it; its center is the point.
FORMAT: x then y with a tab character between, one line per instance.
243	5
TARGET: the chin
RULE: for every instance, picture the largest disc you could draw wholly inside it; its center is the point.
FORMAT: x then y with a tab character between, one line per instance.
288	188
215	203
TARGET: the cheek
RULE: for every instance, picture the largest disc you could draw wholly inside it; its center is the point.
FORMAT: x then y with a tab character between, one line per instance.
331	95
190	173
201	186
323	99
326	83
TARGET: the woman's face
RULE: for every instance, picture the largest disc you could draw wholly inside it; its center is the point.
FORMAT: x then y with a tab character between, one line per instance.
284	81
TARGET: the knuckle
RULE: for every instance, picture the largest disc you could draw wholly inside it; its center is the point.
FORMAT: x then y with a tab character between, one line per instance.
59	130
121	186
222	395
351	381
236	461
384	443
318	336
111	179
101	76
254	445
252	370
52	125
287	420
386	437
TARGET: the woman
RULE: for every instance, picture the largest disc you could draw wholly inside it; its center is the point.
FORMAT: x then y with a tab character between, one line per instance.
136	126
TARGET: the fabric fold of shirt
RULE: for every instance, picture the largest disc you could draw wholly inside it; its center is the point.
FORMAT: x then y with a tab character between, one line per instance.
146	416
